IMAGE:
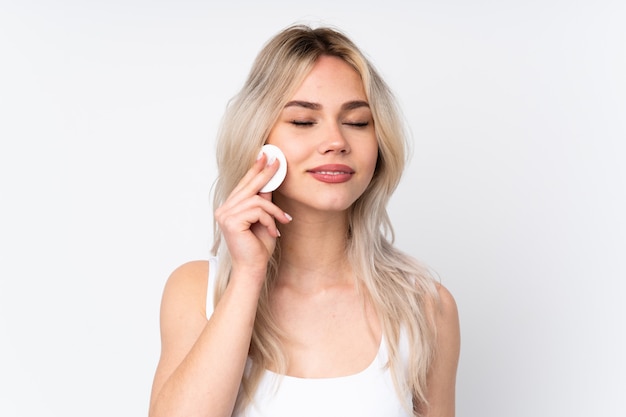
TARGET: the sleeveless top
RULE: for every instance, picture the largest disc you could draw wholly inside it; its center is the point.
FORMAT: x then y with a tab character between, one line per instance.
368	393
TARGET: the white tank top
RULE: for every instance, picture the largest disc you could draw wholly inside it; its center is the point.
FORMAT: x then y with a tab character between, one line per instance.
369	393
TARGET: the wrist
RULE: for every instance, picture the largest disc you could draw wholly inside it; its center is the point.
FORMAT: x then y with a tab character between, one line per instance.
249	277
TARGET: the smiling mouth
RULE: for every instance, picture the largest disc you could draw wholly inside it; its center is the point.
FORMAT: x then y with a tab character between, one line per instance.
331	172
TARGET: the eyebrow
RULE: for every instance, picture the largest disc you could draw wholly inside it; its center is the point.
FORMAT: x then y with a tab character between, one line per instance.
350	105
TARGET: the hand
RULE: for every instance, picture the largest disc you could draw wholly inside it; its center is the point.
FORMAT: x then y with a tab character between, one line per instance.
247	218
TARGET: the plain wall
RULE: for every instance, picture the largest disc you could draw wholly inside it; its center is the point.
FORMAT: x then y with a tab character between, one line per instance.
515	194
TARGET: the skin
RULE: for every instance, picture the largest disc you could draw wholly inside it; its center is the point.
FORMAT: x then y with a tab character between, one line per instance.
333	330
328	121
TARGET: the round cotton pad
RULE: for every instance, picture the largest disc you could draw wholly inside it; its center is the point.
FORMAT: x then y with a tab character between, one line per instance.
279	177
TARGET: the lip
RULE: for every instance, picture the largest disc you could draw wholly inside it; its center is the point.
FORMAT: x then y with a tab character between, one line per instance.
332	173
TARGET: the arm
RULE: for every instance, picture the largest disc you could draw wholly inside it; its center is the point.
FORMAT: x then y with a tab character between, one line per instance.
442	374
202	361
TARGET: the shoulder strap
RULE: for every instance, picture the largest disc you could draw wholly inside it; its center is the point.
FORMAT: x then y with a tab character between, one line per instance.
210	288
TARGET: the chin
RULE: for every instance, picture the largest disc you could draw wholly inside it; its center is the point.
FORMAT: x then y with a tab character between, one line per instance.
324	202
332	205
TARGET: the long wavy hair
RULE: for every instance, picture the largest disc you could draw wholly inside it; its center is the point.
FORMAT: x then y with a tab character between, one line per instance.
401	289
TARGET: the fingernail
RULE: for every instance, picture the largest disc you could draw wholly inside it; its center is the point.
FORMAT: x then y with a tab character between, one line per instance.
259	156
289	217
271	160
278	232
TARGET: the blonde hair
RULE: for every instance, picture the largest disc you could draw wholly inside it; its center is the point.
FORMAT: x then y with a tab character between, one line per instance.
400	288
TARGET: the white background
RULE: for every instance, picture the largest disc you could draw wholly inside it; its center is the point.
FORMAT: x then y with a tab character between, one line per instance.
515	194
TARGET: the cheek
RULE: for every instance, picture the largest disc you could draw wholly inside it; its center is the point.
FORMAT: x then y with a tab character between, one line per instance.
295	152
372	157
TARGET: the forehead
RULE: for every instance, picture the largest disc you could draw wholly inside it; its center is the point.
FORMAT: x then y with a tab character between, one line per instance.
331	80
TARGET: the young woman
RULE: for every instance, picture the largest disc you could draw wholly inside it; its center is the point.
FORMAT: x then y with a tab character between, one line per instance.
306	308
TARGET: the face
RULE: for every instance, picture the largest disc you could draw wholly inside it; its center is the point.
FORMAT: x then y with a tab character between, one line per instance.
326	132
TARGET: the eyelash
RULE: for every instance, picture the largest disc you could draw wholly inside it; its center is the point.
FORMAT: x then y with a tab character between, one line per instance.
301	123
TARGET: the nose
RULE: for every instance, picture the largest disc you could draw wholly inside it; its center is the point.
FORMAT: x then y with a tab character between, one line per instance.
334	141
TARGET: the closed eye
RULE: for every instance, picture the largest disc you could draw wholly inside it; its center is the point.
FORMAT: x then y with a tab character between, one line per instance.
302	123
357	124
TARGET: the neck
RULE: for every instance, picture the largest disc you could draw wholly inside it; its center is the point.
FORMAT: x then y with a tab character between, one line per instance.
313	252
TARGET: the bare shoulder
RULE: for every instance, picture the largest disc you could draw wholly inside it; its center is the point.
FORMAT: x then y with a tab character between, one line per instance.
442	373
183	308
446	315
185	289
188	275
447	303
182	316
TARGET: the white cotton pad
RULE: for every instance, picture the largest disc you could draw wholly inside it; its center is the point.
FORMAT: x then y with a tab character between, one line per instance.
279	177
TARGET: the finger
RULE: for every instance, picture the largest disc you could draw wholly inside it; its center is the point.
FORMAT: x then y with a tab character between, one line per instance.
257	176
255	220
250	210
268	223
263	201
266	196
255	169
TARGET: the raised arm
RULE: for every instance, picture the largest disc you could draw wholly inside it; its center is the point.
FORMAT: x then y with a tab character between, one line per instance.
202	361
